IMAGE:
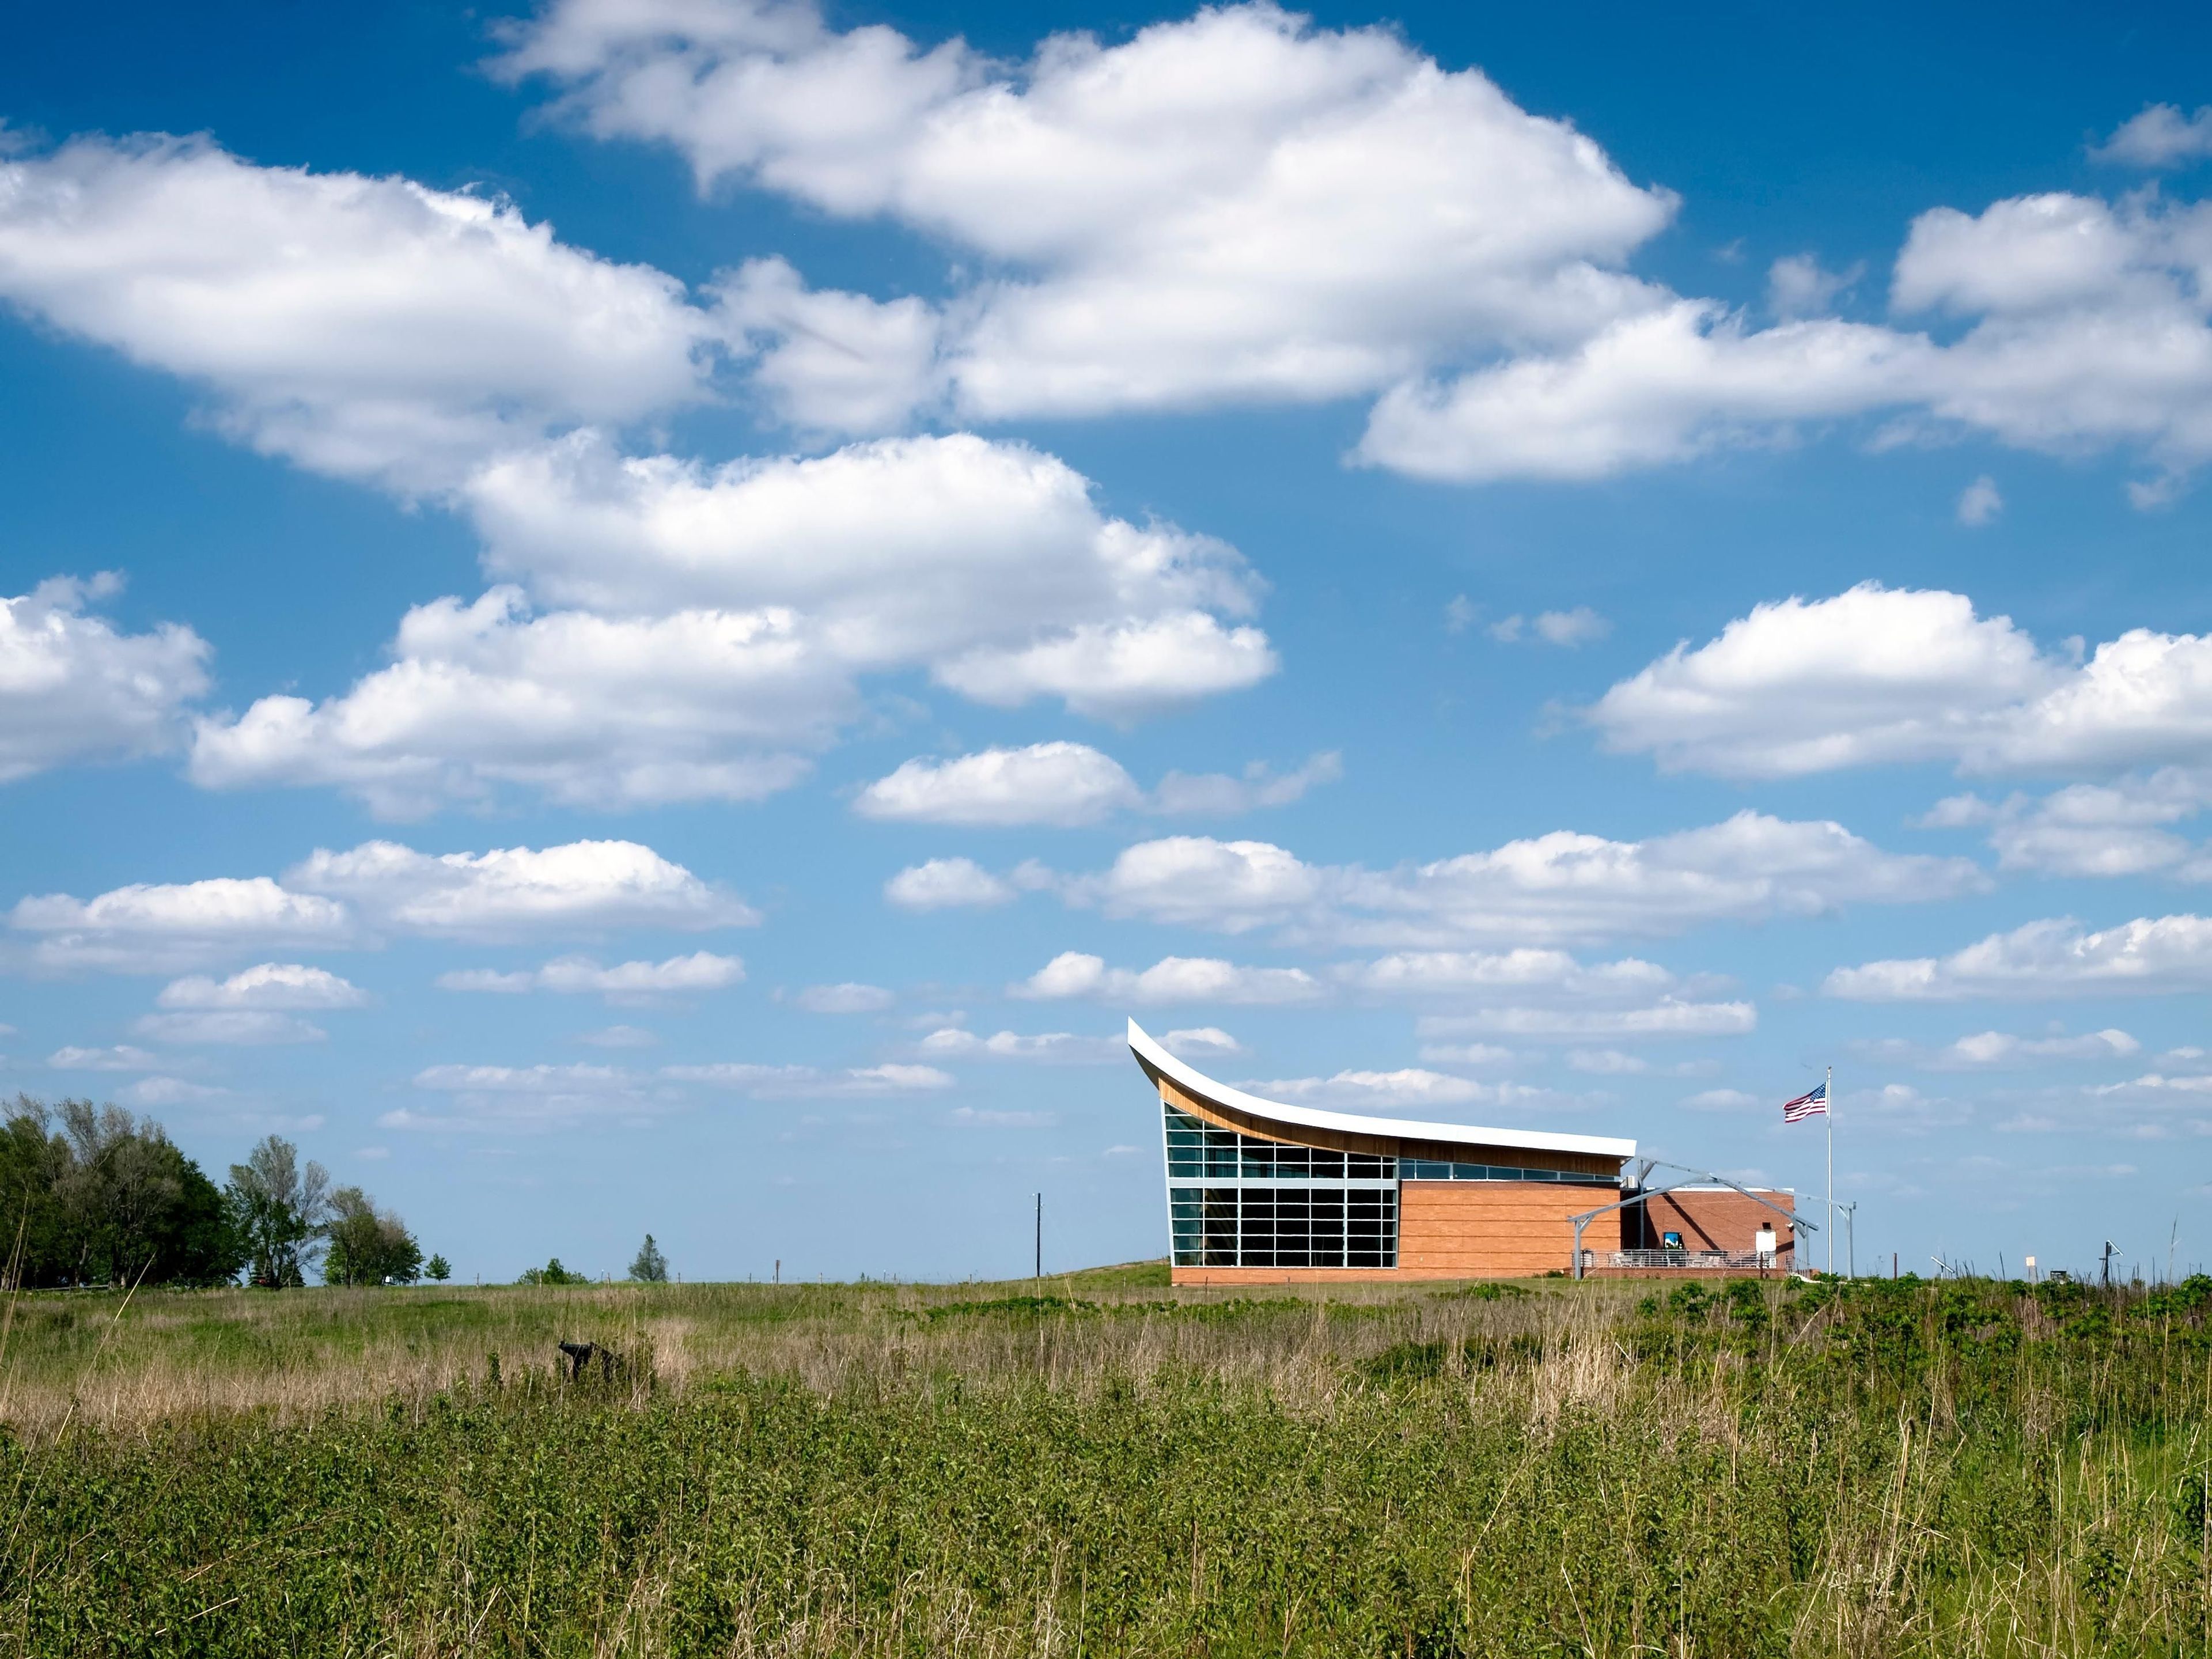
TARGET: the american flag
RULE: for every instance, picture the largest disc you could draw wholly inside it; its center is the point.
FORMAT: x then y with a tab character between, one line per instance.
1805	1105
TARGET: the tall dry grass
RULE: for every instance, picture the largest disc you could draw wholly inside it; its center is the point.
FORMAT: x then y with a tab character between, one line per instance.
116	1363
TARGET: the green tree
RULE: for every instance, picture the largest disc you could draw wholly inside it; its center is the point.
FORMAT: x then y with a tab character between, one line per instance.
31	1161
439	1268
367	1245
279	1211
649	1267
552	1273
107	1198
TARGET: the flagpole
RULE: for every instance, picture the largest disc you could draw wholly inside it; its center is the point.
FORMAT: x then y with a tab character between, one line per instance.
1829	1115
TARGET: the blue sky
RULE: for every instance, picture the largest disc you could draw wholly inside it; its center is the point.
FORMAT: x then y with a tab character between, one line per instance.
633	618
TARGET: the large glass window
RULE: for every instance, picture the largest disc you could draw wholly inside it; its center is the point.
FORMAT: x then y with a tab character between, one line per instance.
1422	1169
1235	1201
1196	1149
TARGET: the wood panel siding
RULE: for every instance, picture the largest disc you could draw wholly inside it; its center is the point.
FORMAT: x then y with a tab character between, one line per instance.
1444	1151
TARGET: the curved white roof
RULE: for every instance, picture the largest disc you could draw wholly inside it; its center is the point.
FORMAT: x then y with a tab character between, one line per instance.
1307	1117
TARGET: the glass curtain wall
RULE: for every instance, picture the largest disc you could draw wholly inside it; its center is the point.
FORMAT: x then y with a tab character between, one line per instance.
1235	1201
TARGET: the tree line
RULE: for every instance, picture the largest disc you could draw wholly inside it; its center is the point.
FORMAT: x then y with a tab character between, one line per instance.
98	1197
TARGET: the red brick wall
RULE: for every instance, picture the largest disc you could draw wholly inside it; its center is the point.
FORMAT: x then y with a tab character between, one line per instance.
1716	1219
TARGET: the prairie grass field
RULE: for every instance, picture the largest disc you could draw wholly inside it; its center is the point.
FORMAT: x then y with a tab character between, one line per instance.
1100	1465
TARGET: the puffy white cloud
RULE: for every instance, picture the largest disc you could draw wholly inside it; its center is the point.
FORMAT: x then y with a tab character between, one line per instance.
1409	1087
586	886
849	998
244	1027
120	1058
1664	386
1053	783
777	1082
1980	502
72	687
1796	286
947	883
158	927
1232	206
1065	783
2050	958
329	898
1558	887
1668	1017
675	632
367	327
1065	1047
900	551
2092	829
1203	1040
2086	330
584	709
624	982
2160	136
1879	675
270	984
1797	686
1170	980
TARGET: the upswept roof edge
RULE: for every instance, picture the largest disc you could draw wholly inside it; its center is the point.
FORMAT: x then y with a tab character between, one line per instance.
1196	1082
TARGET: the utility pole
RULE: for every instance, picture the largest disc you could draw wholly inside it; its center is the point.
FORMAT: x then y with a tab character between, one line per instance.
1040	1239
2109	1248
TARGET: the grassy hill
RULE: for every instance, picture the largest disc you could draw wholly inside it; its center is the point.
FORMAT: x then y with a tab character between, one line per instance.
1099	1465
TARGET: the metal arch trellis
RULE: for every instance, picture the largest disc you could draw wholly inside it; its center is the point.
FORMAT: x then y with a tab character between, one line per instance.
1641	1195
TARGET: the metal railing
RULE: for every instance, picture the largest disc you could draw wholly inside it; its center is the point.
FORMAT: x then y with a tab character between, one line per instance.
1697	1261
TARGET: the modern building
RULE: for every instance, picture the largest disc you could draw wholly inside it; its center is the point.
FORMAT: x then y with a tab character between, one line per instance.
1260	1192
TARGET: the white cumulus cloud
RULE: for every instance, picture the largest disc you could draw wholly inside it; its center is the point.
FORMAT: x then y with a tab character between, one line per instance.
1047	783
1885	675
1062	1048
367	327
1235	205
158	927
1562	886
270	984
623	982
584	886
662	630
73	688
848	998
947	883
2086	328
2160	136
2057	958
1171	980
